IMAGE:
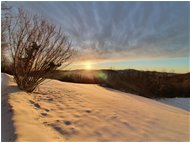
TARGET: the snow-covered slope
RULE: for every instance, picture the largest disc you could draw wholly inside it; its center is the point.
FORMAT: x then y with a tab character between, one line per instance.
60	111
183	103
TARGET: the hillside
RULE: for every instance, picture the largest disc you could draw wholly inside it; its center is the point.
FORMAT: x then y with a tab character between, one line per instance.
60	111
144	83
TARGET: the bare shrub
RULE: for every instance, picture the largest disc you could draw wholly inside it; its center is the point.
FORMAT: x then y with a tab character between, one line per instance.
37	48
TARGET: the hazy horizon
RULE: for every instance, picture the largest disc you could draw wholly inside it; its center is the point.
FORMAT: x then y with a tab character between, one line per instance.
122	35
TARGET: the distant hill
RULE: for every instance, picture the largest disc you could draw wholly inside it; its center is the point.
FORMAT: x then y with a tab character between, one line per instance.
149	84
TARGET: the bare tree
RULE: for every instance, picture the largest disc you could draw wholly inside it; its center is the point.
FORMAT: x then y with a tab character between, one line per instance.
37	48
5	15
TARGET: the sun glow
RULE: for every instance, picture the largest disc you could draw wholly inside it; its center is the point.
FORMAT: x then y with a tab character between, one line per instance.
88	66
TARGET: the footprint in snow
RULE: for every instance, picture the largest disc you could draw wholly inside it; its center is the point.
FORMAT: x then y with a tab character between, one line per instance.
47	110
44	114
67	122
88	110
35	104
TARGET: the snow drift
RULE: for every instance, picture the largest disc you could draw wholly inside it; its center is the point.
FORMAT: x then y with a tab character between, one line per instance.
60	111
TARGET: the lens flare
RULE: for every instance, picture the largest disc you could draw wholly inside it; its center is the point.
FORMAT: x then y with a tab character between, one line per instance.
102	76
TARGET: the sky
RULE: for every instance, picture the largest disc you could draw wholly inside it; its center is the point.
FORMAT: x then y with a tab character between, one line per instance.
122	35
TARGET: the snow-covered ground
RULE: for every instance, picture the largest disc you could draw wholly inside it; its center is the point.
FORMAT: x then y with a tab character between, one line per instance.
60	111
183	103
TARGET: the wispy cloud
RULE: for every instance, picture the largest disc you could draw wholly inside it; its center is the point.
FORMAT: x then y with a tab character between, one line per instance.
121	30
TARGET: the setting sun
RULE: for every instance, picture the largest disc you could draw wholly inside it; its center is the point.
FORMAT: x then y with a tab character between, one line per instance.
88	66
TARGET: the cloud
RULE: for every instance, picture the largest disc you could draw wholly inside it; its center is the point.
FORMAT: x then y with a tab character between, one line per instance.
120	30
